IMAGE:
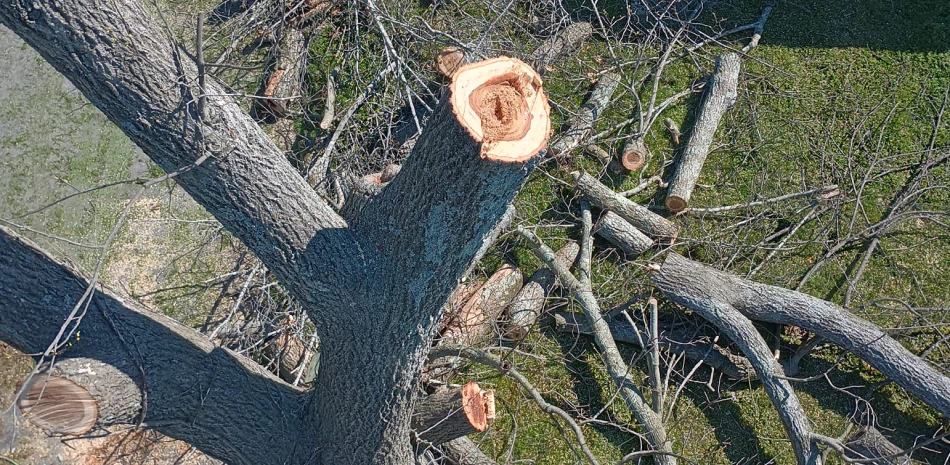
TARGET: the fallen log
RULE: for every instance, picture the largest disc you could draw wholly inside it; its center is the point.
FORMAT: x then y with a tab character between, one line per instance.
558	45
680	342
453	413
604	158
635	153
622	234
524	309
463	451
696	286
284	83
636	214
476	319
720	95
57	405
580	125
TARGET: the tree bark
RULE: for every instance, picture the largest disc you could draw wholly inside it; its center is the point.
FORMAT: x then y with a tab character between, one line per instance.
636	214
695	286
720	95
463	451
622	234
672	340
374	290
140	366
869	443
477	318
453	413
283	85
580	125
559	44
525	308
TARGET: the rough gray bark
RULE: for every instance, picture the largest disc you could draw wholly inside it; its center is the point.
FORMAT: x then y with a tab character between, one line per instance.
636	214
559	44
695	285
671	340
374	290
206	395
720	95
622	234
453	413
284	83
869	443
580	125
463	451
524	309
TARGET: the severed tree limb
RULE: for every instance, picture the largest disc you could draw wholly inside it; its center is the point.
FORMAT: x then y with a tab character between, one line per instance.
463	451
672	340
484	358
695	285
757	32
476	319
193	390
580	125
526	307
284	83
636	214
868	443
562	42
622	234
604	158
720	95
614	362
824	192
740	330
453	413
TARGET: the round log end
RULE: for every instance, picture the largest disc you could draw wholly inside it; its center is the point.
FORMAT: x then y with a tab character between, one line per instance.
503	106
675	204
633	160
58	405
476	406
449	60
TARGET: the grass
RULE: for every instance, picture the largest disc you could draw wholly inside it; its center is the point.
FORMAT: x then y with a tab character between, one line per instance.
832	92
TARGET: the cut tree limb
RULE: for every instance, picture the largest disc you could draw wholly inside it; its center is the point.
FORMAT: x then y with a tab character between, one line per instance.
635	153
868	443
695	285
284	83
672	340
476	319
622	234
636	214
223	418
559	44
463	451
453	413
720	95
524	309
580	125
604	158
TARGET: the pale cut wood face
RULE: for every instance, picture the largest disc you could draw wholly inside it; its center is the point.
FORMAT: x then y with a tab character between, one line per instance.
502	104
58	405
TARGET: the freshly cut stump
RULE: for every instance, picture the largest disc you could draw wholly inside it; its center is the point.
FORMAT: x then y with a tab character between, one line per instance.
58	405
635	154
501	104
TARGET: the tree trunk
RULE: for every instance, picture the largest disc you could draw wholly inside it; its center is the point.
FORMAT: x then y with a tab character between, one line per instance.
525	308
720	95
677	341
696	286
453	413
580	125
622	234
374	289
636	214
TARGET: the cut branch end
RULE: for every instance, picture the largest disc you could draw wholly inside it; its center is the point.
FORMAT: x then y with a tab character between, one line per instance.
502	105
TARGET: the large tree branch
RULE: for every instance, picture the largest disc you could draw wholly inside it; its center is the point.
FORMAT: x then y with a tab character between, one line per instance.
128	66
695	285
143	367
